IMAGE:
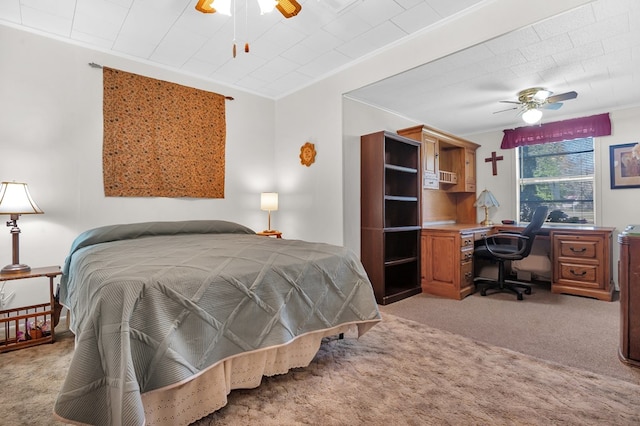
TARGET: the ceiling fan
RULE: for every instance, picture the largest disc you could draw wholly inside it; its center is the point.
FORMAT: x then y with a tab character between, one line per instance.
531	101
288	8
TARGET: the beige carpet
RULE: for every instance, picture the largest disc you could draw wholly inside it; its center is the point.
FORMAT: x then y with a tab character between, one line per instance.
400	373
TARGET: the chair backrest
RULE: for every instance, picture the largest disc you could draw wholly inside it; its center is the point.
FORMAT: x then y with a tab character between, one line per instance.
537	220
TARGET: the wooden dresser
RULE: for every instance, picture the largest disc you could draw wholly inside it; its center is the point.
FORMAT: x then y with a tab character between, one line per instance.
629	279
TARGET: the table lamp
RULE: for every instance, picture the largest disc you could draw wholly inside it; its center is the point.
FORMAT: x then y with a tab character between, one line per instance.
486	200
14	201
269	202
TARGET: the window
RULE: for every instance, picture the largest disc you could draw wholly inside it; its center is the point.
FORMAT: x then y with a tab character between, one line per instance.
559	175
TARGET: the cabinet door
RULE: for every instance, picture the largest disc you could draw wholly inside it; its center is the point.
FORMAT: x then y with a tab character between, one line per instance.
442	259
470	170
441	264
430	151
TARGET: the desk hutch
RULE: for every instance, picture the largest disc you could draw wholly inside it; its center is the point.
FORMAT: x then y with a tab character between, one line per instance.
448	175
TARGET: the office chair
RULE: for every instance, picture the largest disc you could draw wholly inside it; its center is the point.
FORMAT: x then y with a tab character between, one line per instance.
505	246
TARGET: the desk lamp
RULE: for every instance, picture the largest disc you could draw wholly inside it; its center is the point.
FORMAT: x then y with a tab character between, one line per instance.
14	201
269	202
486	200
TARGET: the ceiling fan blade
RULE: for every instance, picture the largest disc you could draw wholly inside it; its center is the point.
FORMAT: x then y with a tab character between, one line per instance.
555	105
505	110
288	8
204	6
562	97
509	102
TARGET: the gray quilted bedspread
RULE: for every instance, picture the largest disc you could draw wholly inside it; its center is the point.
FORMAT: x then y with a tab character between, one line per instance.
155	303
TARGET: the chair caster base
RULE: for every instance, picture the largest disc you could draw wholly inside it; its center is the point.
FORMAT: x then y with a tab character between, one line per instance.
518	289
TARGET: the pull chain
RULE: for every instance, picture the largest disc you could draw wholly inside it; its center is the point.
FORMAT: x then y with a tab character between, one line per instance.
234	28
246	24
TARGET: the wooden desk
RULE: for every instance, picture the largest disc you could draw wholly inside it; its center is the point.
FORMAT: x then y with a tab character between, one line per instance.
580	258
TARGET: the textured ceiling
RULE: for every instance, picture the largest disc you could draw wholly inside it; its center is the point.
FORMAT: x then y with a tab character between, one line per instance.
285	54
594	50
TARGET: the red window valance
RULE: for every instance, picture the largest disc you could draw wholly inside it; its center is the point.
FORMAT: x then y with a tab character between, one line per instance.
595	125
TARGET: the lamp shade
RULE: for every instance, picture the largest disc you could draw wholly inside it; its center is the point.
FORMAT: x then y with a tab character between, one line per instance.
267	6
486	199
269	201
15	199
532	116
223	7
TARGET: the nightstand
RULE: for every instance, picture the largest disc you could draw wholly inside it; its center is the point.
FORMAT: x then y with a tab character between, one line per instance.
276	234
16	321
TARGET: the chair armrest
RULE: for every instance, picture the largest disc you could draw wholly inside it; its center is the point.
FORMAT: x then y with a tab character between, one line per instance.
506	236
505	232
521	244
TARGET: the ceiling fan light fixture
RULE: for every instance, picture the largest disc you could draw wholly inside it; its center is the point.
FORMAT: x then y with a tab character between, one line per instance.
223	7
267	6
532	116
542	95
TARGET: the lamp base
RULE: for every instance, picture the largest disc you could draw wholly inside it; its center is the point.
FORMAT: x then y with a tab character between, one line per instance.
486	221
15	269
270	231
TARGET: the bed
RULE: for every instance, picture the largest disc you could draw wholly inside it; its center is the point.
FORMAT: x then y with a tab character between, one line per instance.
169	317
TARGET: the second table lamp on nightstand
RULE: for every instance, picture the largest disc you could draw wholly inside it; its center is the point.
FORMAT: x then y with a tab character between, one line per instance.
269	202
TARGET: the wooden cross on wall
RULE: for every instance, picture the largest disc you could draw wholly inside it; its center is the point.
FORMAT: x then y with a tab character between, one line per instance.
494	160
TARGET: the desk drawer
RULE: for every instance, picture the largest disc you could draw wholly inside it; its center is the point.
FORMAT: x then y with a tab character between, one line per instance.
580	249
479	235
466	240
580	274
466	274
466	254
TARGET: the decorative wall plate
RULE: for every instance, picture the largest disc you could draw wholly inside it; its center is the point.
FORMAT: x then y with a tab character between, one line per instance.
308	154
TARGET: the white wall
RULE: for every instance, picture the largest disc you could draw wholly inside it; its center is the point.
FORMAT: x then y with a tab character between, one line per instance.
360	119
51	138
322	198
615	208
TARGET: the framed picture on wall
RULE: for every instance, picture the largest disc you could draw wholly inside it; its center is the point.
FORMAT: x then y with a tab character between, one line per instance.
625	165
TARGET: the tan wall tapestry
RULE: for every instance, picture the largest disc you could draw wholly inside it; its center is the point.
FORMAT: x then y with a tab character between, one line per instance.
161	139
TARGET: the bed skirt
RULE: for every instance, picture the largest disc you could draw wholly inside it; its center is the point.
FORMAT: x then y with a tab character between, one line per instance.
185	402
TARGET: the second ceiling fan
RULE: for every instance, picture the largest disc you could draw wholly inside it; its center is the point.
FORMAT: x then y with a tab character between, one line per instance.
532	100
